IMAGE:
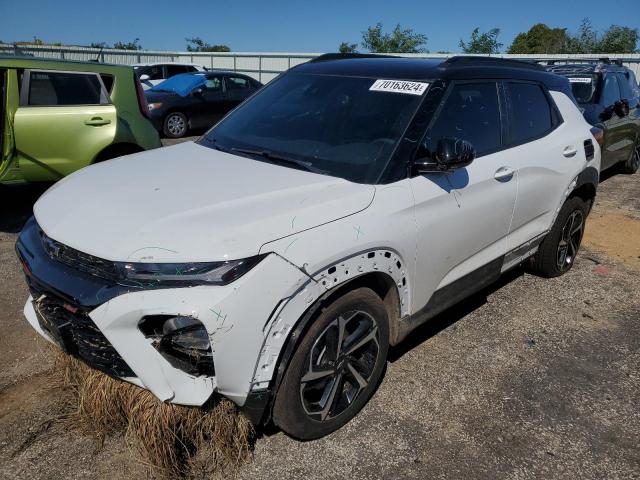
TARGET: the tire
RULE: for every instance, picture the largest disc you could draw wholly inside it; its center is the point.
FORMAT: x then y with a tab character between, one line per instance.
175	125
631	166
557	252
313	402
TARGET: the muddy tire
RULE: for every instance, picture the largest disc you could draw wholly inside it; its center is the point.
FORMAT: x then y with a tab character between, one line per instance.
335	368
556	254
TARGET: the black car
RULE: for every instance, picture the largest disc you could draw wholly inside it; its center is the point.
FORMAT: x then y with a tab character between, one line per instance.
196	100
609	97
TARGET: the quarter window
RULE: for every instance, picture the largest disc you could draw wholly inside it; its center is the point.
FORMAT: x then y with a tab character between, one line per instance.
529	112
58	88
610	90
470	113
237	83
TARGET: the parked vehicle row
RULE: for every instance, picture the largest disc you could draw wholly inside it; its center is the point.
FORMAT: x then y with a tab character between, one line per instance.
196	100
276	259
609	97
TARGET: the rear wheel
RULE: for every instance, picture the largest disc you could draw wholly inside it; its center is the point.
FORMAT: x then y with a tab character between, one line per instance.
175	125
632	165
557	253
336	367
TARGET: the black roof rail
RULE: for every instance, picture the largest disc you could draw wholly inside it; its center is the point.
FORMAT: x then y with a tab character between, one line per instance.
468	61
346	56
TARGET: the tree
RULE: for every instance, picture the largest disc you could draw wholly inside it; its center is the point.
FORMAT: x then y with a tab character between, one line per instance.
98	45
540	39
486	42
585	41
346	47
196	44
398	41
135	45
618	39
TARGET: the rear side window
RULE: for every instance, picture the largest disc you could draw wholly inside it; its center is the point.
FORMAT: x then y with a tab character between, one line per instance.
610	90
238	83
61	88
176	70
470	113
530	115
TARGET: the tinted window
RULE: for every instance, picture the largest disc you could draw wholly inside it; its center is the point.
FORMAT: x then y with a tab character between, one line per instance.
56	88
237	83
176	70
471	113
107	80
583	87
529	112
610	90
335	125
154	72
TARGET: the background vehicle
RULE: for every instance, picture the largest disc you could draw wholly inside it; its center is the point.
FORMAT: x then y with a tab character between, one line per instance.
151	74
318	223
196	100
60	116
610	97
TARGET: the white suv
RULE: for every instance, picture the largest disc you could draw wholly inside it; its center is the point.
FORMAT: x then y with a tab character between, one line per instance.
276	259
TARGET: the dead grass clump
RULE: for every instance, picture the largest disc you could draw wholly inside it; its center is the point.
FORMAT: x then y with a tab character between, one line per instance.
172	440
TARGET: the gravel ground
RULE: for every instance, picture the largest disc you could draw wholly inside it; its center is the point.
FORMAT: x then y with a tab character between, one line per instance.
532	378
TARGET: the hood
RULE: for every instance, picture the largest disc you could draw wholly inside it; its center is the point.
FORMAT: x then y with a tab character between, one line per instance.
190	203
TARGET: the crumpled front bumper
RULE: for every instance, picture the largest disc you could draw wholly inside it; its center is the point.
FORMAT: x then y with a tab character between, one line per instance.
234	315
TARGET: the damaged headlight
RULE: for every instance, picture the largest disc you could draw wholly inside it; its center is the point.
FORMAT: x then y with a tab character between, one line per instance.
182	341
177	274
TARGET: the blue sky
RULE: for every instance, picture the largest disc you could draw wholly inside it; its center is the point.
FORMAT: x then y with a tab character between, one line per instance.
280	25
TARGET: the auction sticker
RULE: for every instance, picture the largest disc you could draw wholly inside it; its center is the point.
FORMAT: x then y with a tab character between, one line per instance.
399	86
579	80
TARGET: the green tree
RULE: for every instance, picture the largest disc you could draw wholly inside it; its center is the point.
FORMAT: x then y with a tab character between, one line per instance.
346	47
585	41
37	41
98	45
617	39
486	42
135	45
399	40
196	44
540	39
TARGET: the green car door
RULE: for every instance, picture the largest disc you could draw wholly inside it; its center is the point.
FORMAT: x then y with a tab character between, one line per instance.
64	119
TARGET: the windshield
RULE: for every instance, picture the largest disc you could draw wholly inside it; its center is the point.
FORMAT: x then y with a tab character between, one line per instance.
583	86
181	84
336	125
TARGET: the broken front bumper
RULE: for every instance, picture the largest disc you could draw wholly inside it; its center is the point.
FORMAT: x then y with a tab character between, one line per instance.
97	321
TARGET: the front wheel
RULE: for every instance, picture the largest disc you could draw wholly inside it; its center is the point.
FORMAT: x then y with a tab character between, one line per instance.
632	165
336	367
557	253
175	125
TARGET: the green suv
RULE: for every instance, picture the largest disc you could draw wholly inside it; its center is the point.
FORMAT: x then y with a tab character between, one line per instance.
59	116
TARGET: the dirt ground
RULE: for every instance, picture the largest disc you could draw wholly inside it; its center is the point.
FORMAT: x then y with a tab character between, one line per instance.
532	378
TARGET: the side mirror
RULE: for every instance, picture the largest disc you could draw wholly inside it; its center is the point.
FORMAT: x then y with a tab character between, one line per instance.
451	154
198	92
144	77
621	108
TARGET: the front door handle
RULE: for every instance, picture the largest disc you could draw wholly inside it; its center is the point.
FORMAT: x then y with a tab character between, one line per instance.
569	151
97	122
504	174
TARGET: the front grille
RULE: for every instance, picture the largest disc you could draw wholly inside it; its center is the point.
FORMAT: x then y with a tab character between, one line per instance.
72	328
79	260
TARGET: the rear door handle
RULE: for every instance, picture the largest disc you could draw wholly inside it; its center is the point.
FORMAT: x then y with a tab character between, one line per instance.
569	151
97	122
504	174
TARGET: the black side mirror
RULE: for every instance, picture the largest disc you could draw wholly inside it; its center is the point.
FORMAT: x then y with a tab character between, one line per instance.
451	153
198	92
621	108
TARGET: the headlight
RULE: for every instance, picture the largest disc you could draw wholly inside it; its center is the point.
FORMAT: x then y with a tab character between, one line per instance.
179	274
182	341
154	106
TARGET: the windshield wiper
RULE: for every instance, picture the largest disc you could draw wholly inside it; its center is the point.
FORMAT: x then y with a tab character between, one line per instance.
275	158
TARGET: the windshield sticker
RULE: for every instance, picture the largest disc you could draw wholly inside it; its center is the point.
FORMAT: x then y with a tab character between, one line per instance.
579	80
399	86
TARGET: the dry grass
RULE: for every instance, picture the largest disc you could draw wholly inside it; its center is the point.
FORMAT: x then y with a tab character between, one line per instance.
171	440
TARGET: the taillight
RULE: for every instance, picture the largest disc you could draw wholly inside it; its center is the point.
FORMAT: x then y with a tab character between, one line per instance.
598	134
142	101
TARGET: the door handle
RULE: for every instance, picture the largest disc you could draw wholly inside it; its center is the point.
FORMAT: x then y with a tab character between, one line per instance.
97	122
569	151
504	174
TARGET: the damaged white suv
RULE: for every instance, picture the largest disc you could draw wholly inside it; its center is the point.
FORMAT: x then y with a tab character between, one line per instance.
275	260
